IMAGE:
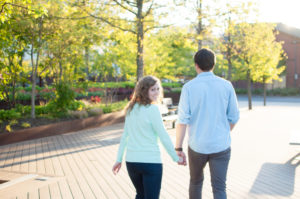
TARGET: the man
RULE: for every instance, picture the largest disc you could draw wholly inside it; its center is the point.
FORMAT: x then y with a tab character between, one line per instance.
208	106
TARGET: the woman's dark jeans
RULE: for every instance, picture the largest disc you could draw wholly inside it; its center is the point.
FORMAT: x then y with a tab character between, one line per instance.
218	165
146	178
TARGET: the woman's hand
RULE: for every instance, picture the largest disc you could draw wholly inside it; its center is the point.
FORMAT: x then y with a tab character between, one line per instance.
116	168
182	158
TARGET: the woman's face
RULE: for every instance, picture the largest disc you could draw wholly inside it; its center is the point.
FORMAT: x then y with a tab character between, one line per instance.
154	92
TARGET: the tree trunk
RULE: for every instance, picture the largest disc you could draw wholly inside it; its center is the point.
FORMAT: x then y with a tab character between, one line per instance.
249	90
60	70
140	41
228	57
265	92
87	57
33	80
199	28
35	65
12	71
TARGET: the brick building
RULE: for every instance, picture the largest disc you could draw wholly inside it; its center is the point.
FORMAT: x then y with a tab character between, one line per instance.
291	38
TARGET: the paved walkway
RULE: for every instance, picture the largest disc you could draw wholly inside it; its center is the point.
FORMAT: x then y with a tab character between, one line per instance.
78	165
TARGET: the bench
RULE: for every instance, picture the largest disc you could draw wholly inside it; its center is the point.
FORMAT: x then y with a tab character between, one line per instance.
168	112
295	140
295	137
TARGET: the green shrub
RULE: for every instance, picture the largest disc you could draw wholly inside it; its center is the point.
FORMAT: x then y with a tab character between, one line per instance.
171	84
23	96
107	109
274	92
13	122
64	96
241	91
29	88
41	110
98	93
47	95
23	110
76	105
258	91
284	91
117	106
9	114
112	84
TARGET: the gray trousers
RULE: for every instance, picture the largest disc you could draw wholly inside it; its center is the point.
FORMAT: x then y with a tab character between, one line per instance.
218	165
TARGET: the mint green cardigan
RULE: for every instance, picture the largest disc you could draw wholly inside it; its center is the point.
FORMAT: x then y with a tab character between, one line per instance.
143	128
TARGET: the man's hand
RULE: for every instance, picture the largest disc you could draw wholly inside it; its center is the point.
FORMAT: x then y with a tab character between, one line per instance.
181	156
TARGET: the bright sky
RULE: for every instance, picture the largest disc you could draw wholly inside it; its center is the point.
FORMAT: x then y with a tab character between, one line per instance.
284	11
278	11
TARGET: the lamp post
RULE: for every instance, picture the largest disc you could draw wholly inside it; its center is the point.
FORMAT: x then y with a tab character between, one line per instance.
295	42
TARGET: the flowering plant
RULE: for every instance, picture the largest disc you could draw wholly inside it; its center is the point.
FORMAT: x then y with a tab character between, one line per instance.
96	99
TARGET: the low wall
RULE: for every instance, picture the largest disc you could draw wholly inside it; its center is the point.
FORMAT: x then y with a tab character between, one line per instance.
61	128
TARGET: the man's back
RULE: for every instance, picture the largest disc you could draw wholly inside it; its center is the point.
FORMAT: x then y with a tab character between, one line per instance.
208	104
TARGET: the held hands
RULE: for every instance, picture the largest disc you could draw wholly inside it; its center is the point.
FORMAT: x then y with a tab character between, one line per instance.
116	168
182	158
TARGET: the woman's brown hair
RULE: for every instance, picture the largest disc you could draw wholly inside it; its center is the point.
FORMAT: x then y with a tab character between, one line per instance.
140	94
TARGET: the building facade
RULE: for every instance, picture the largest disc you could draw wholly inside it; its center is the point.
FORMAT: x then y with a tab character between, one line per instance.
291	45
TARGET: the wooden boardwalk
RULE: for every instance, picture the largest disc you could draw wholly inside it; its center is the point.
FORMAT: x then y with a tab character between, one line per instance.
78	165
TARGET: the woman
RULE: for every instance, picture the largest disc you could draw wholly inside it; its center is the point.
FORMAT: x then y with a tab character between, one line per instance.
143	127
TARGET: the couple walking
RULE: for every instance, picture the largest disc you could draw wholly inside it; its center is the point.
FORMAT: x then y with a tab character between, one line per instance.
207	106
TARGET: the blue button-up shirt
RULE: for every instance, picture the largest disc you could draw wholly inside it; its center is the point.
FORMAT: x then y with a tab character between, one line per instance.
208	105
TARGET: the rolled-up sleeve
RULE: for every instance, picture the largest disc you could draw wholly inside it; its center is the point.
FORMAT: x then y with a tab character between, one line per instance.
233	113
184	113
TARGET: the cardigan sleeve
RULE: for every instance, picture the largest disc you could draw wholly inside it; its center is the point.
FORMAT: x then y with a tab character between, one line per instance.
123	143
159	128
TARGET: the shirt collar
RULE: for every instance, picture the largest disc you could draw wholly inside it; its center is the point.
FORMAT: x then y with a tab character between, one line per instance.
205	74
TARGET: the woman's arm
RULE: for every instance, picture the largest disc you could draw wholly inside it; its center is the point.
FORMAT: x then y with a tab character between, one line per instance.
159	128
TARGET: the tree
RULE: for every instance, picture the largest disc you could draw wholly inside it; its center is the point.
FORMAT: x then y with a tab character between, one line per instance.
231	15
271	55
137	17
32	27
13	47
169	54
258	54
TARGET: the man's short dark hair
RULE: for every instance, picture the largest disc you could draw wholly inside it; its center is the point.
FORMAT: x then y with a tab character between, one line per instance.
205	59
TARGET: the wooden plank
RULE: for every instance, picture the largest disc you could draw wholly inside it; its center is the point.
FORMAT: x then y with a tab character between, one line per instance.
72	180
4	152
102	155
10	157
54	191
53	156
17	158
77	166
63	184
44	192
90	171
24	167
32	165
40	163
47	158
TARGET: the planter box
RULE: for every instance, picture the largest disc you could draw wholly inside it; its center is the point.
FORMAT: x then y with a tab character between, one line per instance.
61	128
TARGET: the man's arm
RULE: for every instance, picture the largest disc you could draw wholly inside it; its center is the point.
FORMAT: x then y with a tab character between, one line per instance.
180	134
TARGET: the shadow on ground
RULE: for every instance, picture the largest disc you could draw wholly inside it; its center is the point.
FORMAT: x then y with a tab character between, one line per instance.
281	175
